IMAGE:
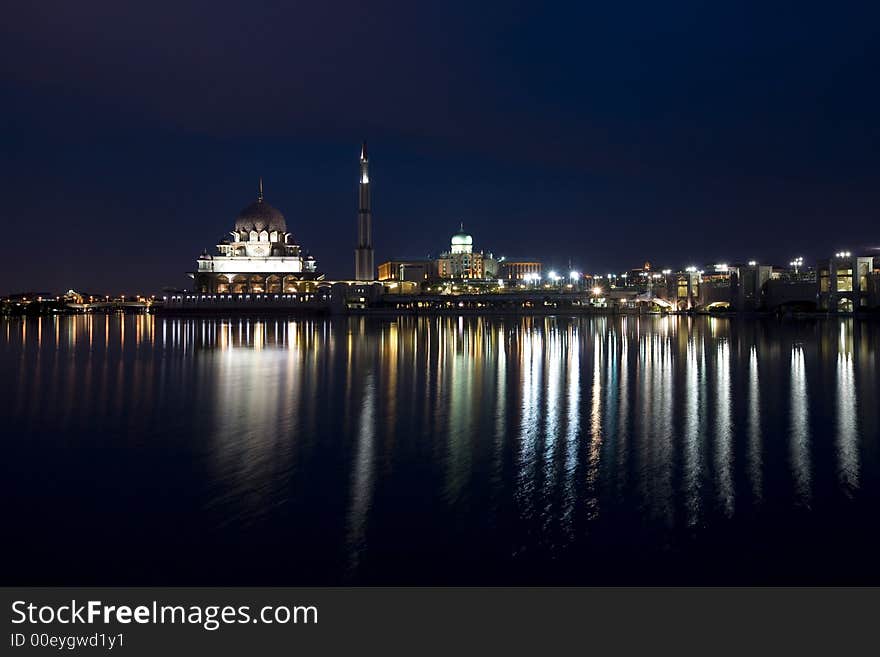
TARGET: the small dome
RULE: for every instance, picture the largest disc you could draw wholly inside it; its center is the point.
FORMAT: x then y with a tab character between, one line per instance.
260	216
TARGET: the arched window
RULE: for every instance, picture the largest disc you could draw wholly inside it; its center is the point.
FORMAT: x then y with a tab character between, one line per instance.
264	236
239	284
254	236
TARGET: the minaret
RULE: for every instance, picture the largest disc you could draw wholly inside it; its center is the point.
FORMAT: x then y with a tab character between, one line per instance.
363	254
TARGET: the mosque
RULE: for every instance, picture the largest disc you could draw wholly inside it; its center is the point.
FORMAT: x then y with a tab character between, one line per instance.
260	256
461	261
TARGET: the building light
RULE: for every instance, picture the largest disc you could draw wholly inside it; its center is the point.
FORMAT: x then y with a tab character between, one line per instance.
752	263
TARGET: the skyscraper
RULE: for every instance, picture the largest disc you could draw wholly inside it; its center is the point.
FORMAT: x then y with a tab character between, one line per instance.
363	254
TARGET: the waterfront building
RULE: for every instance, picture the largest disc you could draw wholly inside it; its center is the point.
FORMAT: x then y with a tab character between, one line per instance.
740	286
363	254
519	269
462	262
718	286
683	288
406	269
845	282
750	281
261	256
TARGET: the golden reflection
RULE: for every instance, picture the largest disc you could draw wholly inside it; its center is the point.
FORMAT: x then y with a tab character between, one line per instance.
532	423
464	382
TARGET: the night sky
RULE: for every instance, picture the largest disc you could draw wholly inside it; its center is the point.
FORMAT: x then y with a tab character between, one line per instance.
131	134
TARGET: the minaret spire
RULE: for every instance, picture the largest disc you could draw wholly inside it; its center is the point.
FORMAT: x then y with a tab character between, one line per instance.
363	254
260	193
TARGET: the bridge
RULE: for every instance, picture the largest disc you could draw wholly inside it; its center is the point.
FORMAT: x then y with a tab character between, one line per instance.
108	305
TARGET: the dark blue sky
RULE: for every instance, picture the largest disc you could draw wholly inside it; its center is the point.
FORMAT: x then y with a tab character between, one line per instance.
605	133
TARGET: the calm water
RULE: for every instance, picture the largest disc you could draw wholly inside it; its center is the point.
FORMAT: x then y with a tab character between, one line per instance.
142	450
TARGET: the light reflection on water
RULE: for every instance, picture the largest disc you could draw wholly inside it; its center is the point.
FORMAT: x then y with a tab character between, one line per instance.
440	449
800	427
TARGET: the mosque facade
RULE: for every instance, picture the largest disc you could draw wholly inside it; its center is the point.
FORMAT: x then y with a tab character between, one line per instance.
260	256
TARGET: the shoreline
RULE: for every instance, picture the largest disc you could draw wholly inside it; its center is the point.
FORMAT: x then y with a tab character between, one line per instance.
287	311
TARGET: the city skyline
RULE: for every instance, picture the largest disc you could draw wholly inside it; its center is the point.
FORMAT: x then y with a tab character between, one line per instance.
553	263
678	134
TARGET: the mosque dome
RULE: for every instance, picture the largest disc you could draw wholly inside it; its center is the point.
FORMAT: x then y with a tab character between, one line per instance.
462	238
260	216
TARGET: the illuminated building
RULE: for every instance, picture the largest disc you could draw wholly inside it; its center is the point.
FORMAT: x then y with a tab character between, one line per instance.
845	282
518	269
405	269
363	254
461	261
684	288
260	257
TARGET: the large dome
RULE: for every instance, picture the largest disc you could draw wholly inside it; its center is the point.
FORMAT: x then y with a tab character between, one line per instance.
461	238
258	216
